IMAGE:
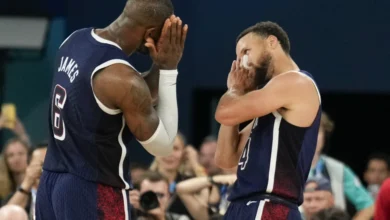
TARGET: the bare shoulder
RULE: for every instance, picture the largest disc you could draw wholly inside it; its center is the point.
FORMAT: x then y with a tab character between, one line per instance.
293	79
115	82
303	98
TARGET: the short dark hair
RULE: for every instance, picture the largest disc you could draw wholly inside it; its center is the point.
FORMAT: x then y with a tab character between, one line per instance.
135	165
154	177
15	140
149	12
380	156
208	139
331	213
42	144
267	28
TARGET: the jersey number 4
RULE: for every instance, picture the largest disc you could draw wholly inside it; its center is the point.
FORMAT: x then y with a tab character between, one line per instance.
59	99
245	155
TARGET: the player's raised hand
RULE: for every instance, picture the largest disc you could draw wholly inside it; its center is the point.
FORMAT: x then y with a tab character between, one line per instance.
168	51
241	79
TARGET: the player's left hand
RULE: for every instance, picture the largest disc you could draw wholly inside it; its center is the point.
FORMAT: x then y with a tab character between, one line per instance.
167	52
241	79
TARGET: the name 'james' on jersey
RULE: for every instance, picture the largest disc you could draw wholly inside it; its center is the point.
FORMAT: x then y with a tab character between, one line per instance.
87	139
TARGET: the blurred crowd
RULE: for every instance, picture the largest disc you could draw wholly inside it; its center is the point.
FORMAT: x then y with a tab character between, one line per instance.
188	185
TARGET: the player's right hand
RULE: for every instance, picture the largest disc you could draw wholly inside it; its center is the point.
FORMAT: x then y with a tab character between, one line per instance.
240	78
168	51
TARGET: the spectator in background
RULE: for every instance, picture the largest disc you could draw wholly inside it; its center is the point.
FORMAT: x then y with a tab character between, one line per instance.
346	186
206	155
216	203
25	196
155	182
382	205
317	196
12	212
18	129
136	172
331	214
13	164
182	164
378	169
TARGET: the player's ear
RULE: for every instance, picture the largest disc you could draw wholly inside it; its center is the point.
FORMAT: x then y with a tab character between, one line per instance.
151	32
272	41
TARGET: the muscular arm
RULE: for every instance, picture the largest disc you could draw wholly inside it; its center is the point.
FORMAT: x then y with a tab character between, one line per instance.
231	143
154	129
151	78
283	90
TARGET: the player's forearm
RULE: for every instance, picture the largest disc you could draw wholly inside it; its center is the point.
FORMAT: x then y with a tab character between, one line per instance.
225	109
227	153
152	80
161	142
167	108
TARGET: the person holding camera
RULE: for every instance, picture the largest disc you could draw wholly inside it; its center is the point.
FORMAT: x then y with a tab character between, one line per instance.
182	164
216	201
153	198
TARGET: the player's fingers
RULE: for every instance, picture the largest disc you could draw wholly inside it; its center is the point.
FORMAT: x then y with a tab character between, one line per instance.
179	31
238	63
168	32
184	35
151	46
174	31
172	17
165	28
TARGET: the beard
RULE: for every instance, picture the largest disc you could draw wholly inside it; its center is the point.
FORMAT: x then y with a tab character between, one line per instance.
262	71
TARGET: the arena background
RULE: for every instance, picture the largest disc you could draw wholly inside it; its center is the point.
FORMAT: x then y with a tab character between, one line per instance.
344	44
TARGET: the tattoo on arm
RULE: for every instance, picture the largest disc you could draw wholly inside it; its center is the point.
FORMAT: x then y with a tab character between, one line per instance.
152	79
139	113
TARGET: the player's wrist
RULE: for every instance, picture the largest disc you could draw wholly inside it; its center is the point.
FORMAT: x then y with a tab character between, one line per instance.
169	72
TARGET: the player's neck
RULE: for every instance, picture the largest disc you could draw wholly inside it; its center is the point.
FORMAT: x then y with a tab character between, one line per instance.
283	63
119	32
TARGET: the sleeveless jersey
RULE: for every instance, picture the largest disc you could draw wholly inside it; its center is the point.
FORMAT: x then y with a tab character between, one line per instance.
87	139
277	158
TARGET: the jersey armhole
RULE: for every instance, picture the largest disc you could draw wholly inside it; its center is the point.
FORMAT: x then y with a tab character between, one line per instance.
103	107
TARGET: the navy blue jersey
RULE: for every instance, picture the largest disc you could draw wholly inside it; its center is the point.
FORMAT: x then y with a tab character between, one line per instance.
277	158
87	139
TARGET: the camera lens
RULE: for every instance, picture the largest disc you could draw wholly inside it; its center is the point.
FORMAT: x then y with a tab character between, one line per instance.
149	200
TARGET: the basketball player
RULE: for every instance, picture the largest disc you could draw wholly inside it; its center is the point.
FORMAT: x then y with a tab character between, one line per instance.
95	94
274	152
